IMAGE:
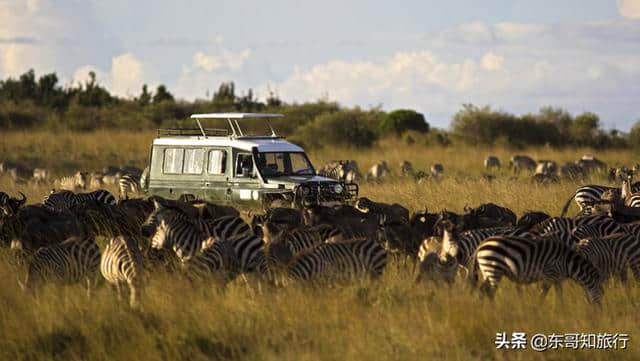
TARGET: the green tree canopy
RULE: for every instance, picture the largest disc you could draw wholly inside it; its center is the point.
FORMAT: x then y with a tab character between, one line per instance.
401	120
162	95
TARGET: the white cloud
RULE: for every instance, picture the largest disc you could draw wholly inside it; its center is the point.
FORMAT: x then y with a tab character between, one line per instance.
629	8
81	75
492	62
226	59
127	74
516	31
125	78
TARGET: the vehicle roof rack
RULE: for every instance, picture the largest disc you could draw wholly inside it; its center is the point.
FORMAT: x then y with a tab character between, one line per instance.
192	132
232	118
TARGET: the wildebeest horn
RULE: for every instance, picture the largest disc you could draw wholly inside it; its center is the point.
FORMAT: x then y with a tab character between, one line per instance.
22	201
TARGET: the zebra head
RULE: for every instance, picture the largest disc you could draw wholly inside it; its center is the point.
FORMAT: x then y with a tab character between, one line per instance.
153	226
435	268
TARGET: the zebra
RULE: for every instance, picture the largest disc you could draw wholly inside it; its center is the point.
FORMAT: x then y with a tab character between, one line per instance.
225	227
564	228
217	259
492	161
170	228
519	162
355	258
80	180
434	268
530	219
613	254
378	171
129	183
306	238
462	246
587	196
63	200
69	262
342	170
528	260
121	263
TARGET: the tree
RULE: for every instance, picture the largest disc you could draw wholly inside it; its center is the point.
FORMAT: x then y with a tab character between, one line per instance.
584	128
145	97
162	95
634	135
402	120
226	94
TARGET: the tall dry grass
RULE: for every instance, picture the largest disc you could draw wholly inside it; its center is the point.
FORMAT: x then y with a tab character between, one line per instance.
392	318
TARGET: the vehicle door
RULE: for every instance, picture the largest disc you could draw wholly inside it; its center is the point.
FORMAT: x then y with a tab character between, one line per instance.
176	171
245	183
216	182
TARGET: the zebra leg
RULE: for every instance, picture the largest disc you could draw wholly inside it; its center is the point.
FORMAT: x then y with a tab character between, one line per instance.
118	295
133	299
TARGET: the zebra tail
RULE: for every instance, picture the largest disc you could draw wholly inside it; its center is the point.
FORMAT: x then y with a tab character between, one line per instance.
566	206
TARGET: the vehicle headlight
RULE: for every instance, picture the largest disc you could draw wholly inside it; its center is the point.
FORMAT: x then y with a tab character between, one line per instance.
338	188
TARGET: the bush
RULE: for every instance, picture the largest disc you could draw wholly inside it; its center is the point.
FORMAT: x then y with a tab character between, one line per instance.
352	127
634	135
399	121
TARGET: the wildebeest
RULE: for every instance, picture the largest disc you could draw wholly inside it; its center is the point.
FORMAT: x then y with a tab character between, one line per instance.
350	220
491	161
437	170
378	171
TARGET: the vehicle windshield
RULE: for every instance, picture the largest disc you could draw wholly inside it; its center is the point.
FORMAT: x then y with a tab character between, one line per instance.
278	164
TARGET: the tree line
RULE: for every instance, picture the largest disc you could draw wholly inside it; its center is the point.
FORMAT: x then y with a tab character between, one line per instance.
43	103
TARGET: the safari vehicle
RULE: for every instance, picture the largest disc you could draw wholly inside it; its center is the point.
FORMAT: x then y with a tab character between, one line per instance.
227	166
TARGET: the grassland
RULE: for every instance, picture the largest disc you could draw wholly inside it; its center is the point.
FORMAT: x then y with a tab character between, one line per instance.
388	319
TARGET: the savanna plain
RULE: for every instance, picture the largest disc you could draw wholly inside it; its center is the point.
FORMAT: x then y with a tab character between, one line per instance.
391	318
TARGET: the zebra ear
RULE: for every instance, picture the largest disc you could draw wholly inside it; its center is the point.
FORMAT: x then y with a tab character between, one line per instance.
156	204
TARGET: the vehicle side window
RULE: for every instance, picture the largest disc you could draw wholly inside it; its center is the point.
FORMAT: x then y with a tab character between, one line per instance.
244	165
217	162
193	161
173	158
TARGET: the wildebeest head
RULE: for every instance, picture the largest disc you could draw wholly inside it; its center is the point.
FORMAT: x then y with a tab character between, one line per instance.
10	205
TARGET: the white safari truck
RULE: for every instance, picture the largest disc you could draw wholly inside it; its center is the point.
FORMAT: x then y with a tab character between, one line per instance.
228	166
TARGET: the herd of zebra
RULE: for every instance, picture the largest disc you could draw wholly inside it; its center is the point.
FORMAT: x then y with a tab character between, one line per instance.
126	178
72	237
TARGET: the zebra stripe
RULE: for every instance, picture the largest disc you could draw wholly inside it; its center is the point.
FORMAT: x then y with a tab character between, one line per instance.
527	260
348	259
129	183
121	263
225	228
587	196
613	254
68	262
564	228
63	200
218	259
463	246
171	229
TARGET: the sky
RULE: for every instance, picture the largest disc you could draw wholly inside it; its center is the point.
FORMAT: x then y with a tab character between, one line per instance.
431	56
